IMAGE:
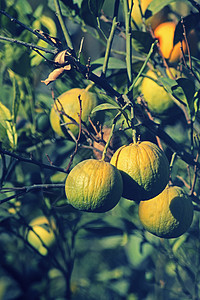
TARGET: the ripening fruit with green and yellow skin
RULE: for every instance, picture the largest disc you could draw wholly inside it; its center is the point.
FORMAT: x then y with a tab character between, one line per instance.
169	214
69	104
43	234
158	99
94	186
153	21
144	168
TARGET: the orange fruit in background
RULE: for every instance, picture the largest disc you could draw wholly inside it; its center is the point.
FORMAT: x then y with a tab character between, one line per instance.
144	168
94	186
169	214
153	21
165	34
69	104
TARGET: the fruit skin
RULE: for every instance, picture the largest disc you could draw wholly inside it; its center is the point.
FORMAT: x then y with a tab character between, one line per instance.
165	34
94	186
153	21
158	100
45	230
168	215
144	168
70	103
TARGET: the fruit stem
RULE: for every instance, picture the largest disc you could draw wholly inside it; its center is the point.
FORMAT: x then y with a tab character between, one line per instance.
89	86
134	136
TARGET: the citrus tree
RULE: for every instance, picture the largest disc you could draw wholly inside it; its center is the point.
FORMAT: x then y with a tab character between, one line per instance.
99	149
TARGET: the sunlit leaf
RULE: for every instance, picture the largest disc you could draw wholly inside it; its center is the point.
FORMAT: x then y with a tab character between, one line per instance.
105	106
156	5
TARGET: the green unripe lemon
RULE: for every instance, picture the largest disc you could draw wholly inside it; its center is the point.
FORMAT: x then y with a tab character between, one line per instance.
68	104
169	214
42	234
94	186
144	168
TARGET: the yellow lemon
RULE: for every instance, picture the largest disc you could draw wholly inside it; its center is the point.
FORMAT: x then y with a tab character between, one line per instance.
94	186
157	98
66	110
42	236
144	168
169	214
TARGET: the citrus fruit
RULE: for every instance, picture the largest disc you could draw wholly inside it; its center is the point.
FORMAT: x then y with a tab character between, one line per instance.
165	35
42	236
158	100
169	214
68	104
154	21
94	186
144	168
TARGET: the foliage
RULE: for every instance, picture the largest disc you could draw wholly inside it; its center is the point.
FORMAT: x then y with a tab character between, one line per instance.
96	255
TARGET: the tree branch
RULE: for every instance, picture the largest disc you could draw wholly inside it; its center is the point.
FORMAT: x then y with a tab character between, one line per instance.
33	161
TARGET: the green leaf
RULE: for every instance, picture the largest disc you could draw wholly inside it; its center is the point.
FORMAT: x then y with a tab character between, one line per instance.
95	6
142	41
156	5
24	6
16	96
113	63
86	14
137	251
168	83
190	22
185	91
196	103
105	106
8	133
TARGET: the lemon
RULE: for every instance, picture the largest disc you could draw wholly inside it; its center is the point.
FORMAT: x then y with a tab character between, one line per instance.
42	236
158	100
94	186
68	104
144	168
169	214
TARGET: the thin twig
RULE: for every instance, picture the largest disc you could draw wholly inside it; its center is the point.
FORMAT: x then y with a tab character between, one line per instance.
35	32
62	24
109	46
32	161
127	13
28	45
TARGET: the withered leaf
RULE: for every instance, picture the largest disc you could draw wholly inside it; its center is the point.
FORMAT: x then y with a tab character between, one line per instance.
56	73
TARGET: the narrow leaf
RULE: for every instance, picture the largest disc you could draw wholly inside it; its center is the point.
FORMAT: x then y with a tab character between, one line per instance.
105	106
190	22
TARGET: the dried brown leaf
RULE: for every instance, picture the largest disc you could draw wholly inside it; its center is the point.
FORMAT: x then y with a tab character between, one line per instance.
56	73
